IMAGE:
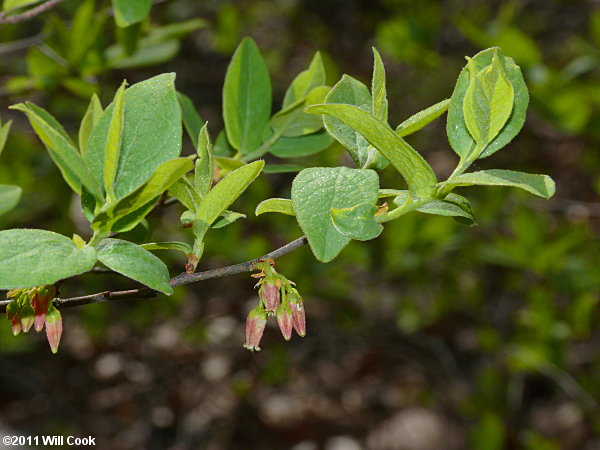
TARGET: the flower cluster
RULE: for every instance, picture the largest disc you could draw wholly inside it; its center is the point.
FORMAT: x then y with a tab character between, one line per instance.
277	297
34	307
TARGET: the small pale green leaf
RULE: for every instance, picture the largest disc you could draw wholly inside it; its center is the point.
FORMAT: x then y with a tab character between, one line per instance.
454	206
419	120
540	185
293	121
65	155
488	101
246	97
305	81
184	191
4	130
301	146
36	257
318	190
151	133
224	194
415	170
458	134
148	54
90	119
128	12
168	245
227	218
278	205
378	90
221	146
113	142
9	197
227	165
136	263
205	165
191	119
357	222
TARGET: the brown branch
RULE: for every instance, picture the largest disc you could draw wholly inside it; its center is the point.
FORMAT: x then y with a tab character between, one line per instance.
30	13
179	280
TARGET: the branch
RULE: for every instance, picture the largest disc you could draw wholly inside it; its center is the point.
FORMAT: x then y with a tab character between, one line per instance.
30	13
179	280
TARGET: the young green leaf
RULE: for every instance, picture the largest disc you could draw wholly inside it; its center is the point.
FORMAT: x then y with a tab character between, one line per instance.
540	185
458	134
227	165
9	197
297	147
305	81
151	133
184	191
136	263
378	90
168	245
89	121
415	170
488	101
246	97
113	142
65	155
4	130
278	205
223	195
205	165
228	217
191	119
422	118
318	190
37	257
293	121
454	206
128	12
357	222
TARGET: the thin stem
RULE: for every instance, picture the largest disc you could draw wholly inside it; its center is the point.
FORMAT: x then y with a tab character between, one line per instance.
180	280
29	14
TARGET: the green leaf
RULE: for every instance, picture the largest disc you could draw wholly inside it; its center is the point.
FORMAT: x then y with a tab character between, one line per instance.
357	222
378	90
89	121
165	176
205	165
65	155
184	191
128	12
9	197
148	54
415	170
168	245
136	263
4	130
221	146
191	119
454	206
113	142
227	218
305	81
227	165
36	257
151	133
422	118
293	121
283	168
246	97
278	205
488	101
301	146
458	134
318	190
540	185
9	5
224	194
85	28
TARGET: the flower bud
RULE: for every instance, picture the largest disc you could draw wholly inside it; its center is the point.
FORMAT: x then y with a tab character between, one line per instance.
298	316
285	320
16	324
255	327
40	302
53	327
269	293
27	317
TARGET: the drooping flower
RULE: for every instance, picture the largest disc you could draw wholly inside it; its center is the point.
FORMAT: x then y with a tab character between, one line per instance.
269	294
298	315
53	327
285	320
255	327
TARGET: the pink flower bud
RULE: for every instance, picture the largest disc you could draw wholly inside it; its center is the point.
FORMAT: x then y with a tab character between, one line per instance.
255	327
53	327
16	324
269	293
285	321
40	307
298	316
